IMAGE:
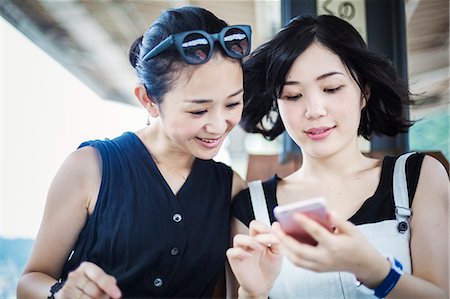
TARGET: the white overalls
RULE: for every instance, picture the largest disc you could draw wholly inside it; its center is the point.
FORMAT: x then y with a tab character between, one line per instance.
296	282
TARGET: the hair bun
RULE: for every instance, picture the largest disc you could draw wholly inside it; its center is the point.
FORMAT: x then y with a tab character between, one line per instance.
134	51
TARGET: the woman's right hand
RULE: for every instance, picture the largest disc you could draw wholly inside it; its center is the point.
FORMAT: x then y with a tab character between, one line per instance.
89	281
255	260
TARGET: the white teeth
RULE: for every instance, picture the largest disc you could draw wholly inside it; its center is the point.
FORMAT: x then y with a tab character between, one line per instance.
208	140
318	132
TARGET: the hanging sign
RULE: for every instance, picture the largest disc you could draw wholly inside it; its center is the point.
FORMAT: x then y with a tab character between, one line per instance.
352	11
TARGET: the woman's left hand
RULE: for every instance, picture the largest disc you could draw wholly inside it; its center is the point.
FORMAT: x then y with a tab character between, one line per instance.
345	249
255	260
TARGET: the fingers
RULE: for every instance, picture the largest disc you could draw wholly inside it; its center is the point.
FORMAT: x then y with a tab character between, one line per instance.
260	233
313	228
299	253
267	239
107	283
270	241
256	227
263	235
237	254
332	248
247	243
90	281
290	242
91	290
342	226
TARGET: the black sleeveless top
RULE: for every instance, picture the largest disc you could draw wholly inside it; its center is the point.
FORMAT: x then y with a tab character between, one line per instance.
380	206
156	243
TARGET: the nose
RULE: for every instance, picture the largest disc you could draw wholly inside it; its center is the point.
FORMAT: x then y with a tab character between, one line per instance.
217	124
315	107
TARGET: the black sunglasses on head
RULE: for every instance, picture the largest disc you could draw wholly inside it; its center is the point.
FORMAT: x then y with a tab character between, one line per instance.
196	46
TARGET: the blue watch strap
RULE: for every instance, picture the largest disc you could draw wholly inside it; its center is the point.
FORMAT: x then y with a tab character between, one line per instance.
391	279
387	284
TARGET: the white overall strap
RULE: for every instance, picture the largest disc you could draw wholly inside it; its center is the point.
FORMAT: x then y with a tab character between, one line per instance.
259	202
400	189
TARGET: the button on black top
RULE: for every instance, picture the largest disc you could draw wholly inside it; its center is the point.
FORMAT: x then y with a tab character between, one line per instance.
177	218
158	282
174	251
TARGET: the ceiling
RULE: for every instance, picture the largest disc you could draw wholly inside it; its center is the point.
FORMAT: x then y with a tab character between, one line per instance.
92	38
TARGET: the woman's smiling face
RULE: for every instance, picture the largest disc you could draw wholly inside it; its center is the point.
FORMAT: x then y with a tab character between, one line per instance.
320	103
200	111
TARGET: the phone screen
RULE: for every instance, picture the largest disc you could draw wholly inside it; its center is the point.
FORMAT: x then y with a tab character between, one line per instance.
313	208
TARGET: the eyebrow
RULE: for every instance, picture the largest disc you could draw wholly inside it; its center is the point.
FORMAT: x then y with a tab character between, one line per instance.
321	77
236	93
202	101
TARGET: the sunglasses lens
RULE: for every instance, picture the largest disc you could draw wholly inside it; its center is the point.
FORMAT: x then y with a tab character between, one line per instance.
195	48
236	43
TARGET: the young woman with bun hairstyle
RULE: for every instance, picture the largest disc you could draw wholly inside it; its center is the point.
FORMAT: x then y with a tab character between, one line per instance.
147	214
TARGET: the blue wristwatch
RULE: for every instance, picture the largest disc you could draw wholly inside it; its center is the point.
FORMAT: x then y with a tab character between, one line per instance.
387	284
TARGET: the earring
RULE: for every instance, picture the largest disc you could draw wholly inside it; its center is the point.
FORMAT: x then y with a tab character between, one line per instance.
148	120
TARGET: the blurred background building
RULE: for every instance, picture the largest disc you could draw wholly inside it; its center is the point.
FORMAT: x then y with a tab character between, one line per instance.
90	40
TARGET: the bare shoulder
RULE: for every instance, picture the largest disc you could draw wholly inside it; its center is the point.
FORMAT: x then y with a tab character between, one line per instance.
80	174
431	166
238	184
72	191
433	174
84	160
433	183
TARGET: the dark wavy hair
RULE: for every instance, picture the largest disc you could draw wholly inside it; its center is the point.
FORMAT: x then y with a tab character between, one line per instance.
160	73
266	69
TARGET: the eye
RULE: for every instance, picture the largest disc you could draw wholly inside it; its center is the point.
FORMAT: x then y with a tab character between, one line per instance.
198	113
293	98
233	105
332	90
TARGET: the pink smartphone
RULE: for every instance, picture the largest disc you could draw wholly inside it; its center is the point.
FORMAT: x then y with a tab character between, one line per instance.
314	208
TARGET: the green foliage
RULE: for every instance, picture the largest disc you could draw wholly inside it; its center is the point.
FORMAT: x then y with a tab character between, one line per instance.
431	134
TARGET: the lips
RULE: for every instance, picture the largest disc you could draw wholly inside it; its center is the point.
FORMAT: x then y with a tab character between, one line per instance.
319	133
316	131
209	142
